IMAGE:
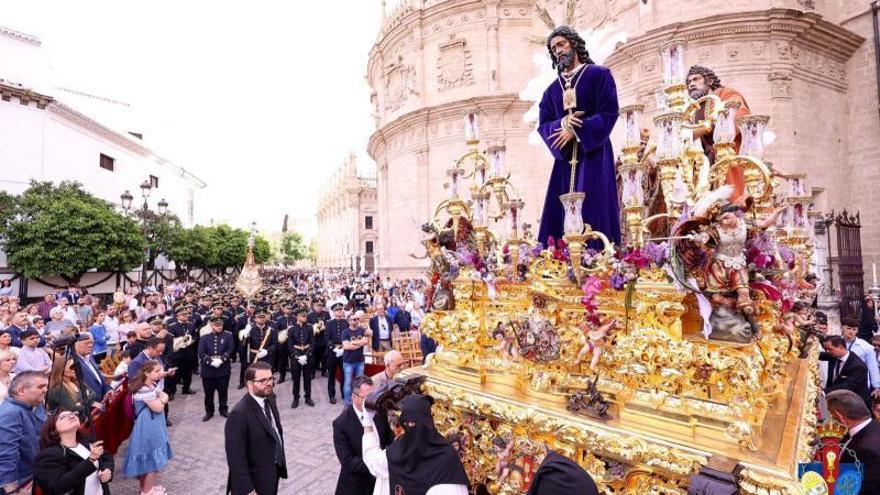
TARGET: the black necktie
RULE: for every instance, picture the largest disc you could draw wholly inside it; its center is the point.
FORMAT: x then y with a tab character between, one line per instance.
837	370
279	447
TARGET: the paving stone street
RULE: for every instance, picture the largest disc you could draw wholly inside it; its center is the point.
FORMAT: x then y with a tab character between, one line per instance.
199	464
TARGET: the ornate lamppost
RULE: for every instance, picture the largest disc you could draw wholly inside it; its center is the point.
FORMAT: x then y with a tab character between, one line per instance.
162	209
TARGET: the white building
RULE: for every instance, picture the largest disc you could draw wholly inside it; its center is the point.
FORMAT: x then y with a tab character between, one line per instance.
47	137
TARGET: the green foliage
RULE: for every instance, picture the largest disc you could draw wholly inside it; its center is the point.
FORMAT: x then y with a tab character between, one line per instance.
193	248
293	248
262	250
65	231
232	246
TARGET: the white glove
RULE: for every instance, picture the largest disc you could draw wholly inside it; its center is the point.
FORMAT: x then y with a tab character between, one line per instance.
262	354
338	351
302	360
216	362
368	417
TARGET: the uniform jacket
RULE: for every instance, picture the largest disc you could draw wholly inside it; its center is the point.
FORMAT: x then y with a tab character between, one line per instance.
215	344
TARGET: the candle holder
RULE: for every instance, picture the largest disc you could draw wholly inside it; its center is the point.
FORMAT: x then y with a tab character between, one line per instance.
572	205
674	84
667	128
751	128
471	128
724	134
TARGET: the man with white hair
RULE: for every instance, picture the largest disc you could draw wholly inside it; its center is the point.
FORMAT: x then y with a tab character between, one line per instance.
393	365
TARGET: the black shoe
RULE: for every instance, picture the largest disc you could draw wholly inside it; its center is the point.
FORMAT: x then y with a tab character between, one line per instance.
323	373
208	416
188	392
170	397
240	386
310	403
281	380
295	404
333	400
195	372
224	414
168	423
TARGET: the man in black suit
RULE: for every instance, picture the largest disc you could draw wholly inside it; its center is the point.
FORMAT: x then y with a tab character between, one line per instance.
382	328
215	354
862	442
254	437
846	371
348	432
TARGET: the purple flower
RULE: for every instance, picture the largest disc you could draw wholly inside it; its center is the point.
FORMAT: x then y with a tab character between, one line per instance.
617	281
637	258
657	252
787	256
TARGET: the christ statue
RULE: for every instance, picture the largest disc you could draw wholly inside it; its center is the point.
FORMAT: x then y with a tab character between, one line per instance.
577	113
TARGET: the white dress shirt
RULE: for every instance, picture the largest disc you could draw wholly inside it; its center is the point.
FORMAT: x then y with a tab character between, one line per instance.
377	462
865	351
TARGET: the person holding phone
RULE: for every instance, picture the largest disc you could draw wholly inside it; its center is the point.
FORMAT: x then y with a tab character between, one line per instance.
67	462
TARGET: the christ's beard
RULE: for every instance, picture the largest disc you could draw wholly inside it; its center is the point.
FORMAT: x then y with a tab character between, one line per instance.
698	93
566	60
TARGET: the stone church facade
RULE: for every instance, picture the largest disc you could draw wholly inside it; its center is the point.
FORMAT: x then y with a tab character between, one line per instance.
808	64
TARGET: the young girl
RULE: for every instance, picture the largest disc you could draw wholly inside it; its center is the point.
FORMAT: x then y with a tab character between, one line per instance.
148	450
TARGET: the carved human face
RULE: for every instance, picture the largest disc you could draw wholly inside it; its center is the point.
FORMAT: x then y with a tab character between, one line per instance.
729	220
563	51
697	86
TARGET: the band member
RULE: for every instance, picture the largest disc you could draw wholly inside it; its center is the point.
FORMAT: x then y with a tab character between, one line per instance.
333	335
319	314
262	340
184	353
241	327
215	353
300	340
283	324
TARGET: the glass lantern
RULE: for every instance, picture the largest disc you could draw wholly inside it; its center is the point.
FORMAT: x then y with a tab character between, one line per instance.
455	180
471	130
797	185
751	128
632	125
725	124
479	209
514	211
668	132
672	59
496	161
572	204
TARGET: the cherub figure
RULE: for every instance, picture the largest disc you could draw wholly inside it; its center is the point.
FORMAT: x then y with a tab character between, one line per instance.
597	339
502	450
505	346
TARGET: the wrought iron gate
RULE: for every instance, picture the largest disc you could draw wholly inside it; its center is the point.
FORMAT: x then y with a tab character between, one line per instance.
849	266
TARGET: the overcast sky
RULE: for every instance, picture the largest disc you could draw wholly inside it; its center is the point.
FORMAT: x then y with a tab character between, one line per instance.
263	99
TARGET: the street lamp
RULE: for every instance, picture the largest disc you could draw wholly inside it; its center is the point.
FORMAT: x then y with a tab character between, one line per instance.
162	209
146	188
126	200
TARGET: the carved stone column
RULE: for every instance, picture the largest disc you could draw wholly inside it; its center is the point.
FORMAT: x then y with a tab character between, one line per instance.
827	300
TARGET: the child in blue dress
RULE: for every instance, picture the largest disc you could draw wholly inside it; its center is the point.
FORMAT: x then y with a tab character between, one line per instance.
148	448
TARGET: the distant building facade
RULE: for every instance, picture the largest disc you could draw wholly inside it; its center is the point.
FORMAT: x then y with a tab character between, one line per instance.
348	229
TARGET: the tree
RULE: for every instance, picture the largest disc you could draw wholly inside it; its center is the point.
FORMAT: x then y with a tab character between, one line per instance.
293	248
65	231
262	250
192	248
232	246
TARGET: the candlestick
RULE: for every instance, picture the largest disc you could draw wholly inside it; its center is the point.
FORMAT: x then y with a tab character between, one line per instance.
471	130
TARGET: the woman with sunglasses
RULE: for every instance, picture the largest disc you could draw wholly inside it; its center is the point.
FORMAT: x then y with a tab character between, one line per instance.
67	462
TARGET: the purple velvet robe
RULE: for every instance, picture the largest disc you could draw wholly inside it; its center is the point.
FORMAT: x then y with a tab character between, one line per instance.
597	97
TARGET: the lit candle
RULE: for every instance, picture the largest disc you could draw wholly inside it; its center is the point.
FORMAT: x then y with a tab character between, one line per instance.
672	57
632	116
874	267
496	159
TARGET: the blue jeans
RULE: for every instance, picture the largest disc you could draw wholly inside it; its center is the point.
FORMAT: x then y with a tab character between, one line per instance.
349	371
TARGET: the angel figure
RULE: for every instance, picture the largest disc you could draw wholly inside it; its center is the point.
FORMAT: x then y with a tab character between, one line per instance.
597	338
505	346
725	233
502	450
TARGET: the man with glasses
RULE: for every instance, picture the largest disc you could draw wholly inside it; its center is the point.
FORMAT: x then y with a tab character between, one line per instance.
354	339
348	431
255	438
